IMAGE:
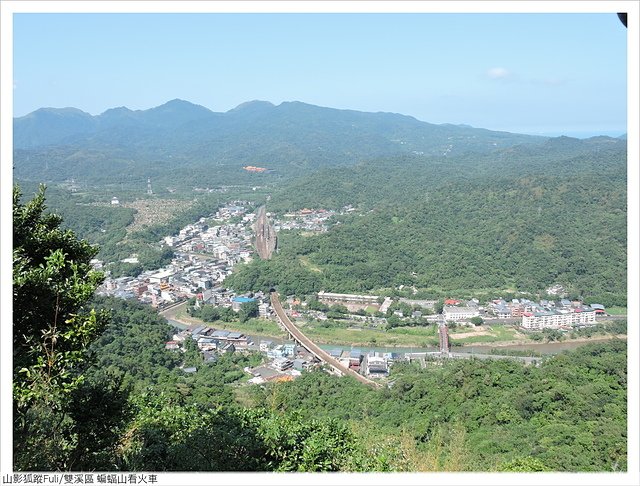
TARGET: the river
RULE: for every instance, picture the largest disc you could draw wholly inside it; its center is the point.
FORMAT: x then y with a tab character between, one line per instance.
542	348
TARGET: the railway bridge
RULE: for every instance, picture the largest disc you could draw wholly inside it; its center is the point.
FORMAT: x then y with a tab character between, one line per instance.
310	346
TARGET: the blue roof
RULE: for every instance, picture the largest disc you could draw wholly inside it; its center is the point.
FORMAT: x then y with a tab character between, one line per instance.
243	299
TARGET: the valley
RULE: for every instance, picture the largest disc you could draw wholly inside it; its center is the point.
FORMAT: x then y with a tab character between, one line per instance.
372	239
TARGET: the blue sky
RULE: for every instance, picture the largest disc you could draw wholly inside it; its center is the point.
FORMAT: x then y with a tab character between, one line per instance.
531	73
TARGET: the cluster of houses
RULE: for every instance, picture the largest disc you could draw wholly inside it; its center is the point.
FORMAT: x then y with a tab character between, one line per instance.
315	220
534	316
191	274
284	361
531	315
548	313
221	241
373	364
354	301
210	341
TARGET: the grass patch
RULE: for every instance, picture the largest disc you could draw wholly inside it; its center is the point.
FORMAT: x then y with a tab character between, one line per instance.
617	311
252	326
426	331
496	334
416	337
304	259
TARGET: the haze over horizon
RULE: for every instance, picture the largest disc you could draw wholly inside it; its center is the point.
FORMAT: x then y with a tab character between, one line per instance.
541	74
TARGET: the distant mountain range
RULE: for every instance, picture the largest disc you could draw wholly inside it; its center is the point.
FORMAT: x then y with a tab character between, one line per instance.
290	138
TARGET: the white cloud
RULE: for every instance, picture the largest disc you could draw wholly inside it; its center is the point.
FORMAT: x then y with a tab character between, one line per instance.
498	73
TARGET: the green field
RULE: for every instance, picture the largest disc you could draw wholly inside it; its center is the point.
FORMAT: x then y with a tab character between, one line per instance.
252	326
406	336
399	336
497	334
617	311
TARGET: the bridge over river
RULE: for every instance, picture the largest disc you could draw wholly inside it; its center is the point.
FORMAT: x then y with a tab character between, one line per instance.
310	346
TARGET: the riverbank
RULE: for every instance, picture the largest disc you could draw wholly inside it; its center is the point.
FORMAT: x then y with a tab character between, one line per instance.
261	327
459	345
478	338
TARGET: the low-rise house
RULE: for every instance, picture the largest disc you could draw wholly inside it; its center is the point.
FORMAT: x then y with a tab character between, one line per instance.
376	366
517	310
172	345
209	357
599	308
264	310
299	364
228	348
355	358
237	302
206	344
282	364
196	333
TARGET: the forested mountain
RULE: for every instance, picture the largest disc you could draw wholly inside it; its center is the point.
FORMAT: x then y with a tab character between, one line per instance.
291	138
518	219
95	389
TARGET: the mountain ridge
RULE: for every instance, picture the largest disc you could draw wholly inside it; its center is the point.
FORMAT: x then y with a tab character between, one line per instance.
28	129
212	147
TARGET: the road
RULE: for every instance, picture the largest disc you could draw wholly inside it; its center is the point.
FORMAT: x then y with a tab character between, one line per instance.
311	347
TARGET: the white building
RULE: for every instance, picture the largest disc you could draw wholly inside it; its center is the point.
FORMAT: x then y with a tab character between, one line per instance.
360	299
454	313
554	319
263	310
282	364
160	276
376	366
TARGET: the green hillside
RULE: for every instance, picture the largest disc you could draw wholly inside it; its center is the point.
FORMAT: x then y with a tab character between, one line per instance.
125	147
511	221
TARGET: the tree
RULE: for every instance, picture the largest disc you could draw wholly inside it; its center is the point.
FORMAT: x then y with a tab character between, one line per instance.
209	313
524	464
248	310
52	281
476	321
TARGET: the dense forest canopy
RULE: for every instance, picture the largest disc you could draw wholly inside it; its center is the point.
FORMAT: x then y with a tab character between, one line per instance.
510	222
